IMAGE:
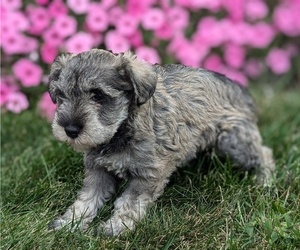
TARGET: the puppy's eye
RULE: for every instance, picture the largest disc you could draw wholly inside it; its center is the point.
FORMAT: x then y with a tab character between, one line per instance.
98	96
60	96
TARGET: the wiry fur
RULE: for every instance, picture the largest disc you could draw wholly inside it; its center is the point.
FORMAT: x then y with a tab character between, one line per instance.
148	120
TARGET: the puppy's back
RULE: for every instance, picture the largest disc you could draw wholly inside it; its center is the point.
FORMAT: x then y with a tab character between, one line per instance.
209	89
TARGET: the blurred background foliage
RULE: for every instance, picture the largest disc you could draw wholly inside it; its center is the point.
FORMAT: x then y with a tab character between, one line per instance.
247	40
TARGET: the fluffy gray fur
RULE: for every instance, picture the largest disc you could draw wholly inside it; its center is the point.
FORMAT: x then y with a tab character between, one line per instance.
139	121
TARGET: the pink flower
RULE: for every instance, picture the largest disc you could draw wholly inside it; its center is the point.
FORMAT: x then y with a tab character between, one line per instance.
202	50
79	42
153	19
256	9
115	42
148	54
253	68
114	14
16	43
3	12
136	39
97	19
106	4
65	25
12	42
165	32
46	107
5	28
209	32
184	3
137	8
48	53
240	33
78	6
235	75
4	91
262	35
7	86
235	9
39	19
42	2
177	43
28	45
127	25
278	61
178	18
165	4
16	102
27	72
17	21
234	55
286	18
9	81
11	4
97	38
53	37
189	56
212	5
213	62
186	51
57	8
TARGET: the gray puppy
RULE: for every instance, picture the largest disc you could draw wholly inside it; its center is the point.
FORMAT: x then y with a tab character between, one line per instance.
139	122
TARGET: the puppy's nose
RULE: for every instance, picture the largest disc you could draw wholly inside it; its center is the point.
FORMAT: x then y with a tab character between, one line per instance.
72	131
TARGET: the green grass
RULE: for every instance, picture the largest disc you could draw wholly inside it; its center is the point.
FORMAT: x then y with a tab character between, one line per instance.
205	206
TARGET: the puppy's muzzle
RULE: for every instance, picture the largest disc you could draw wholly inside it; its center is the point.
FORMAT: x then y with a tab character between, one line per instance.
72	131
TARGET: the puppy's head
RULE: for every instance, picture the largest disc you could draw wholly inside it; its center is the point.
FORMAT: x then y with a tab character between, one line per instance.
93	91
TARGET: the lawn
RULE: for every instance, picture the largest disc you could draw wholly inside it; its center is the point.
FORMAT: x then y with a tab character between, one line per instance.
205	206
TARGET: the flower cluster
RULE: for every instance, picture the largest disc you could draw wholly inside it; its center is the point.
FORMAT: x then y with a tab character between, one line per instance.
215	34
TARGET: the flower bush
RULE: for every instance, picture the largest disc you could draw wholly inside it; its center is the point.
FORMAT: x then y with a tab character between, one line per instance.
239	38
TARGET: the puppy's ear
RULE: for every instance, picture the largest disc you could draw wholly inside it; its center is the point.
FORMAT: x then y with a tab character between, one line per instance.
140	75
56	68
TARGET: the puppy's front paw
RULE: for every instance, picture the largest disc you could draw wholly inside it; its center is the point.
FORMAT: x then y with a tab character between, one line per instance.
57	224
113	227
60	223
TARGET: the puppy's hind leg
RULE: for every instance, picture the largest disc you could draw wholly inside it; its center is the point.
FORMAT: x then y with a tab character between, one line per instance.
264	174
98	187
240	140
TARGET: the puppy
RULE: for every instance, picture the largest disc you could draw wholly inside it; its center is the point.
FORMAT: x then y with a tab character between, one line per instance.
139	122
